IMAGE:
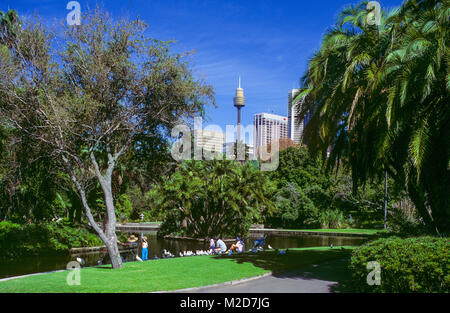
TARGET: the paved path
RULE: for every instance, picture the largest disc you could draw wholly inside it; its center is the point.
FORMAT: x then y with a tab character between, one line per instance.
331	276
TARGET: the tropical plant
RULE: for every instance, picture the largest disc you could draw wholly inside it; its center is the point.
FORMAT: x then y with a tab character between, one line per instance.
217	197
329	191
332	219
378	96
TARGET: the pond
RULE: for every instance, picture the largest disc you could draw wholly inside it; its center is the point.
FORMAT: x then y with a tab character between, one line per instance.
37	264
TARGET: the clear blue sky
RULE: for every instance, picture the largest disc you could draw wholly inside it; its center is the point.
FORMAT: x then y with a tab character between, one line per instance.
267	42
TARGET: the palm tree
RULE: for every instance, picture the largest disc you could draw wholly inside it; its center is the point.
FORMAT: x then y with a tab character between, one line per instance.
418	110
216	197
378	96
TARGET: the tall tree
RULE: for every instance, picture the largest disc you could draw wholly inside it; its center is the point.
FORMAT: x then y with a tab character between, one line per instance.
91	95
378	95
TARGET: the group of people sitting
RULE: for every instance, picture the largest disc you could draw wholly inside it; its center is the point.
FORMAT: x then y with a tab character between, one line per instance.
219	247
216	246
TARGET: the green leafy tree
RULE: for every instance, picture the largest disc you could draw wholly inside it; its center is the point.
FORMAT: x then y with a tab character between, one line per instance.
298	166
295	208
9	25
330	190
93	99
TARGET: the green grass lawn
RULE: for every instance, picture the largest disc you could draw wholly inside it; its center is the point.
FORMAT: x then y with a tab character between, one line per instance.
176	273
341	231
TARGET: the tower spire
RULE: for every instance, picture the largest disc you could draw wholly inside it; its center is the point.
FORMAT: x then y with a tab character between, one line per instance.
239	102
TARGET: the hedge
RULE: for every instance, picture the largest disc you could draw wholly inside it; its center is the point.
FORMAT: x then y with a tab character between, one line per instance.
419	264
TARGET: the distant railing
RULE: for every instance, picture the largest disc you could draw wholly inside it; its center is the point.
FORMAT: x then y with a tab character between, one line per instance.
88	250
257	232
138	227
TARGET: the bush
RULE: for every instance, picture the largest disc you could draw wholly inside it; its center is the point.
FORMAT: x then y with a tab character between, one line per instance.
418	264
332	219
55	237
214	198
296	209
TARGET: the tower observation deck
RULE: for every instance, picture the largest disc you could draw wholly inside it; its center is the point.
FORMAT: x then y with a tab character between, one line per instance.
239	102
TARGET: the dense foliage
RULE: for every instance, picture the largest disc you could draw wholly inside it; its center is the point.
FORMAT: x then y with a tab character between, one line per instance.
211	198
295	208
420	264
43	238
309	197
378	96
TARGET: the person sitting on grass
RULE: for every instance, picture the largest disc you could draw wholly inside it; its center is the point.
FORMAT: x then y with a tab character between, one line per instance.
131	240
212	245
221	246
238	246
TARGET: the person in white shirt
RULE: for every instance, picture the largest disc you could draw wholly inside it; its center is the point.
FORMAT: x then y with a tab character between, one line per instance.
144	248
221	247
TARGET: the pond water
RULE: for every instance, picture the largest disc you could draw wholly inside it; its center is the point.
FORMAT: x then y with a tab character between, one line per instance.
37	264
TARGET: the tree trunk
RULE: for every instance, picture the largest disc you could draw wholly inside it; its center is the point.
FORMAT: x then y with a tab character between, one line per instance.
416	195
108	235
184	223
113	251
110	232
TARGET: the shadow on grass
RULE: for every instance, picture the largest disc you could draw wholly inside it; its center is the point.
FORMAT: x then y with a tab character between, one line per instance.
104	267
329	265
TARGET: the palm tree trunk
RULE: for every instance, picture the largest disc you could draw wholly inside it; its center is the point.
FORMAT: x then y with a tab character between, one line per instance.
385	199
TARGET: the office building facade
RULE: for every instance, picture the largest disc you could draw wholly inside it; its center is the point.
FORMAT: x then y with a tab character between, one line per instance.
211	141
295	126
268	128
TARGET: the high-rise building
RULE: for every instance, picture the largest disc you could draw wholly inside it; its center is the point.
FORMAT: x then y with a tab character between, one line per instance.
212	141
231	146
268	128
295	126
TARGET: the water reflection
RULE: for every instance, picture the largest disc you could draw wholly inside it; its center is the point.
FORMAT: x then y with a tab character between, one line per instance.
156	245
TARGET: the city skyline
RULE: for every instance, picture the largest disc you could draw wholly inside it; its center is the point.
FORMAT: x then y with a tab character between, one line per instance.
293	129
267	43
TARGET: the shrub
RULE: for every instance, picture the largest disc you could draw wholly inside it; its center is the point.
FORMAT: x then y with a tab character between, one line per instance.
332	219
296	209
33	239
418	264
217	197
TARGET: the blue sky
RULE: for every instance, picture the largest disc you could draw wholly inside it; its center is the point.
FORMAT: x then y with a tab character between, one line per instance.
267	42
